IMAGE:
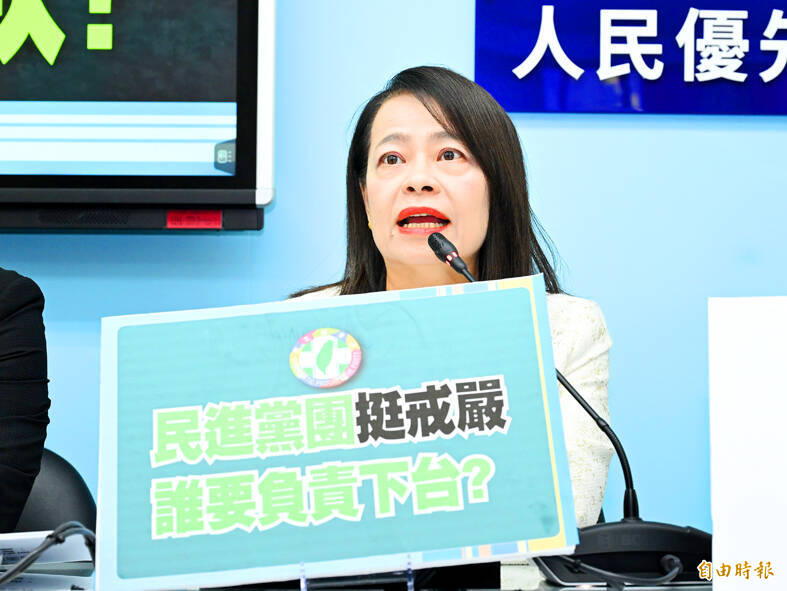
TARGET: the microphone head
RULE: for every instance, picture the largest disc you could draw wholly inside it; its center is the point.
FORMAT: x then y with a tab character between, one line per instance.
441	246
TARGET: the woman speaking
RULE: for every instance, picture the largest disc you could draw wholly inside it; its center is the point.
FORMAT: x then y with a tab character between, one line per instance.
432	152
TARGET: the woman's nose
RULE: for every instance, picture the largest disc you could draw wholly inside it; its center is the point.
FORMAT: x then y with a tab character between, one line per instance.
421	180
415	188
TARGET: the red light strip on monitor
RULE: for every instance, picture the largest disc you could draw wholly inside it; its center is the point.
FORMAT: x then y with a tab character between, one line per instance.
194	219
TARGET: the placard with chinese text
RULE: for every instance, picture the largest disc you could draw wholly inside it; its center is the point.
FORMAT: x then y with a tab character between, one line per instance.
327	437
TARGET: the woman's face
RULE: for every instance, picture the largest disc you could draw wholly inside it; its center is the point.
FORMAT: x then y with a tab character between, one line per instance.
419	180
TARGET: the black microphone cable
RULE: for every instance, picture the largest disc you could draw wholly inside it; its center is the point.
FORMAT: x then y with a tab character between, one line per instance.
670	563
58	536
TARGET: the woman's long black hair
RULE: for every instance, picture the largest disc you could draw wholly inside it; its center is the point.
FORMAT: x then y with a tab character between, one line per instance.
464	109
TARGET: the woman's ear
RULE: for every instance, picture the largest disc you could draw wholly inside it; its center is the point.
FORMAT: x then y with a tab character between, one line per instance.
365	199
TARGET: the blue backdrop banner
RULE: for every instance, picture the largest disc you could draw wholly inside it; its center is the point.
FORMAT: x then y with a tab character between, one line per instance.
585	56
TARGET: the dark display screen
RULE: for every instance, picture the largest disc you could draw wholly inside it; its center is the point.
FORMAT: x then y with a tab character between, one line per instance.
102	88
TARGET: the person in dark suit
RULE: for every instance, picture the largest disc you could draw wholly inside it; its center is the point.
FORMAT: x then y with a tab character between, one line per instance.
24	399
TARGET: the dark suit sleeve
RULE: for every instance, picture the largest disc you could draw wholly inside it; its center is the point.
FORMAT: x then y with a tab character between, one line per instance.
24	402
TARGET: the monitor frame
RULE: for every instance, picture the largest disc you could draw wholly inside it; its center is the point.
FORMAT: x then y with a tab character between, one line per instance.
27	201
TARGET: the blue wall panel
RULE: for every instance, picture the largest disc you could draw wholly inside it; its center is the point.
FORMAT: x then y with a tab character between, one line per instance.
652	214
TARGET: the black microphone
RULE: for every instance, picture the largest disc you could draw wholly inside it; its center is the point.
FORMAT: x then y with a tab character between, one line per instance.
630	546
446	252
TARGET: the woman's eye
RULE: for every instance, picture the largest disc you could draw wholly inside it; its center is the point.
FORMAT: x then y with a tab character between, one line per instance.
450	155
391	159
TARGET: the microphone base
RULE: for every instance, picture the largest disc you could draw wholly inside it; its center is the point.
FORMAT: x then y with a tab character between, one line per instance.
630	547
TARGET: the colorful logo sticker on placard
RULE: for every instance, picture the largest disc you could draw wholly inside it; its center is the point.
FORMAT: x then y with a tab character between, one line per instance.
325	357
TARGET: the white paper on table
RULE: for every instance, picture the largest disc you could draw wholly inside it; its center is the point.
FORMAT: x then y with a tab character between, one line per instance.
27	582
14	547
748	437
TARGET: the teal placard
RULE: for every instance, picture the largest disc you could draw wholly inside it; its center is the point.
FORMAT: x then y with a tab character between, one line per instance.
224	365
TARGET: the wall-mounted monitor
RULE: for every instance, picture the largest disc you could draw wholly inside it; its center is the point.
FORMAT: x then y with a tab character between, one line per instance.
148	114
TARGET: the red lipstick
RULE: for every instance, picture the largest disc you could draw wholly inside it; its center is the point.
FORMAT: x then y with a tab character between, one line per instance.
421	220
421	211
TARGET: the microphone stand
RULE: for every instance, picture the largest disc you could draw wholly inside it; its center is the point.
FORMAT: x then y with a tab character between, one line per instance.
629	551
